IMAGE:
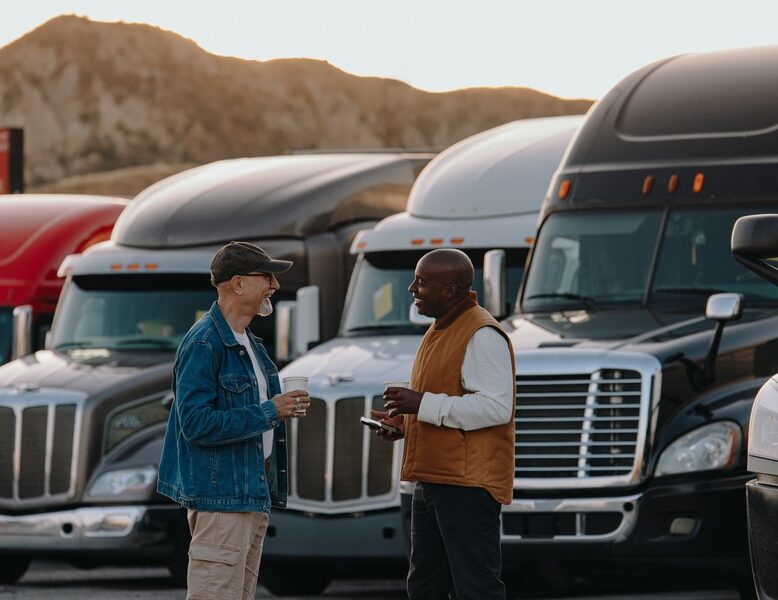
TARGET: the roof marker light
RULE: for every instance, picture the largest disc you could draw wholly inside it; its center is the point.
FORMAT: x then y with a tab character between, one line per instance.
648	183
116	267
458	240
529	240
564	189
699	180
151	266
417	242
436	241
133	267
672	184
361	245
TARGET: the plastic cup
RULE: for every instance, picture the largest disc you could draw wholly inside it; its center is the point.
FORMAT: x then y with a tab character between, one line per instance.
397	384
295	383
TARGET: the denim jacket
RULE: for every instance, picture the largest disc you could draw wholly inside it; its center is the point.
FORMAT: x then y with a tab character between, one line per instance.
212	458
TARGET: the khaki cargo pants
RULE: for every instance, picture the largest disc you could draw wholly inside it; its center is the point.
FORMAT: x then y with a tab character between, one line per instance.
224	554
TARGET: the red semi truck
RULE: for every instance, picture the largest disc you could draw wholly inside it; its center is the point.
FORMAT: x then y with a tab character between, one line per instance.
37	231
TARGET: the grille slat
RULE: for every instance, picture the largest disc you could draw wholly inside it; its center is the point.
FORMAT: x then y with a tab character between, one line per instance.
577	425
37	450
349	465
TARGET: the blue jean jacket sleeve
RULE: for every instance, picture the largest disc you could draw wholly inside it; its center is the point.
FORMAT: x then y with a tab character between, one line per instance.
203	420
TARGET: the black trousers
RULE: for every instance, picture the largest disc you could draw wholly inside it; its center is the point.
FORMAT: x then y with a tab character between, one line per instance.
455	544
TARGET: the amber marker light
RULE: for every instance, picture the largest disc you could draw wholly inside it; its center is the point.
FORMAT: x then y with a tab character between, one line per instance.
672	184
699	181
457	240
133	267
564	189
417	242
116	267
361	245
436	241
151	266
648	183
529	240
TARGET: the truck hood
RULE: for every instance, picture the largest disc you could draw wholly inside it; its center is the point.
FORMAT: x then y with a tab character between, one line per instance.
89	371
636	329
352	364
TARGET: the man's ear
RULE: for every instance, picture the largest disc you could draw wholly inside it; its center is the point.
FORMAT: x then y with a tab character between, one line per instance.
237	284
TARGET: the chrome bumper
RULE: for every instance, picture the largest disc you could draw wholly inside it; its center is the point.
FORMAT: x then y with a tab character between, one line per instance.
82	529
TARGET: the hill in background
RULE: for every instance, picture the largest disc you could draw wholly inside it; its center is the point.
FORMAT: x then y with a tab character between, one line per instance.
96	97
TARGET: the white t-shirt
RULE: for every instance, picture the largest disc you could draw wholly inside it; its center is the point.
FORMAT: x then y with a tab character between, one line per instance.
243	339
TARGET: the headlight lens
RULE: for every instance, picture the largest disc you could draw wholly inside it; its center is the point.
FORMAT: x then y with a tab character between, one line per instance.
134	483
763	433
713	446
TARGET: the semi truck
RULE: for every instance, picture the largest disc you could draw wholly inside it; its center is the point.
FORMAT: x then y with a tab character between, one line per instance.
755	245
37	231
481	195
640	341
82	422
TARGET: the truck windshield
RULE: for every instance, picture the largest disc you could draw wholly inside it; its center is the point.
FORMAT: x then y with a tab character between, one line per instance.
6	326
596	259
130	312
378	298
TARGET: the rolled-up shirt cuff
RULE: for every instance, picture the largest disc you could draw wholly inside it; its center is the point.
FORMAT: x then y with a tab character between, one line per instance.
430	408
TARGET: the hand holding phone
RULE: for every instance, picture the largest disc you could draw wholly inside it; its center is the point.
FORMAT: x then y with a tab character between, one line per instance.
378	425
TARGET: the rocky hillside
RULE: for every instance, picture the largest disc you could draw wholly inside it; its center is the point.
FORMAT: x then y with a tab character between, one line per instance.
96	97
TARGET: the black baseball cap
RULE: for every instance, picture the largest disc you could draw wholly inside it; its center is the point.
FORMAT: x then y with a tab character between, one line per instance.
242	258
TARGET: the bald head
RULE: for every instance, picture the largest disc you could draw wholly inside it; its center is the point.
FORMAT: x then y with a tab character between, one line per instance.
442	279
450	266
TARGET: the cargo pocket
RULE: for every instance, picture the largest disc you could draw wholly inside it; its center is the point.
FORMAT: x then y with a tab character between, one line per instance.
214	572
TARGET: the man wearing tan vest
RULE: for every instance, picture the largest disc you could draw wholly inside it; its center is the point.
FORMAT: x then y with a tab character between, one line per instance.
457	421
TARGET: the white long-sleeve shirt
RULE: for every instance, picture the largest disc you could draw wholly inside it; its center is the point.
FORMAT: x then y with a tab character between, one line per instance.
486	370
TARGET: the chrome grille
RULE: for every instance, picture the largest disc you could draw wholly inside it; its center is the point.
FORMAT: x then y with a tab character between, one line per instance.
582	427
336	463
37	452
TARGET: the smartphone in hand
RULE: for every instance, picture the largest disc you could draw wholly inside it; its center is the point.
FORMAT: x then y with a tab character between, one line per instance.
373	424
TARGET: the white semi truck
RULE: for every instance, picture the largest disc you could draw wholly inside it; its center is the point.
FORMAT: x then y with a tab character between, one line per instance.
481	195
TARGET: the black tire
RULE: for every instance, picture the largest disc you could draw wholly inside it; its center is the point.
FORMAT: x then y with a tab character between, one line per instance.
12	568
746	589
295	579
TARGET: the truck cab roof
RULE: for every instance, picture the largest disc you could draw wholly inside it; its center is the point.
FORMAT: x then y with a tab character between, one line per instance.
290	196
499	176
39	230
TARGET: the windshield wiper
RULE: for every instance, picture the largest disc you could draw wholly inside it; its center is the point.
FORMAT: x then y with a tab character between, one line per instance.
587	301
157	342
695	291
70	345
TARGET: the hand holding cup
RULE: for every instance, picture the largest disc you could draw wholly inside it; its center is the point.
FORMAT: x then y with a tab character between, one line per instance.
400	400
295	399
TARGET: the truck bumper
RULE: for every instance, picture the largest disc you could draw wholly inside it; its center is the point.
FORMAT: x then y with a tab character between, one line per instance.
362	537
684	524
116	532
762	520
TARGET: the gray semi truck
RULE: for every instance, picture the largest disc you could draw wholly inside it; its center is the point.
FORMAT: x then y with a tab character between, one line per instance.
82	422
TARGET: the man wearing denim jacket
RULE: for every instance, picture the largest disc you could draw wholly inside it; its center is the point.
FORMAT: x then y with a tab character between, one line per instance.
224	455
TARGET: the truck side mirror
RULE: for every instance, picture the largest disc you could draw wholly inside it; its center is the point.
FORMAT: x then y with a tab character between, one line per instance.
284	311
21	338
305	326
754	241
494	283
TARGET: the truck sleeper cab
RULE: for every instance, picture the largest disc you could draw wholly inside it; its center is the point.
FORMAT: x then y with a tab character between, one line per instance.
37	231
482	196
83	421
632	407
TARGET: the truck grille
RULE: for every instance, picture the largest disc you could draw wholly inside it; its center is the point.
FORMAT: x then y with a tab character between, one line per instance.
36	451
582	427
349	467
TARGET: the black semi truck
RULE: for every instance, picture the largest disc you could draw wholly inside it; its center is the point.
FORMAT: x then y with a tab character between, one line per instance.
82	422
640	341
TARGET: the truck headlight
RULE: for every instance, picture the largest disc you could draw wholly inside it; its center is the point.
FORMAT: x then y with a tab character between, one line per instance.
763	431
713	446
125	484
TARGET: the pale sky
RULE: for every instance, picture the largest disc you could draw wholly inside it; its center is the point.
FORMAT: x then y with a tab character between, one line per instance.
570	48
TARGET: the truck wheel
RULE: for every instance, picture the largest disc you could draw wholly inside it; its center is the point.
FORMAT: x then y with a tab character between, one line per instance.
295	579
12	568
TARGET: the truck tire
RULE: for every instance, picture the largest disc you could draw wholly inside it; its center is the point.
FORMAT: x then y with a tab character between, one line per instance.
295	579
12	568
